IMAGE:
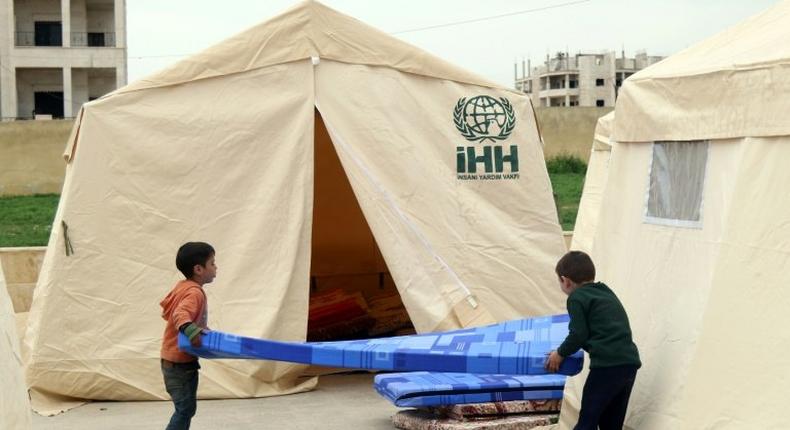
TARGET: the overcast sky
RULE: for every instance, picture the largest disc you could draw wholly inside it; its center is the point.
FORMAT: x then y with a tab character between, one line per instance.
162	32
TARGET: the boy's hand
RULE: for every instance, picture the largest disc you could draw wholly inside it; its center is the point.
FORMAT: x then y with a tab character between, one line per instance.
196	342
193	332
553	362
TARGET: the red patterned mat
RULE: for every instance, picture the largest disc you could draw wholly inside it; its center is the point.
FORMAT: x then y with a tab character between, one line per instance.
483	411
415	419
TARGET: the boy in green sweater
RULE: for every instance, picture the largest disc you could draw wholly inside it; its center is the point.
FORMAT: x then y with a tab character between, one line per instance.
599	325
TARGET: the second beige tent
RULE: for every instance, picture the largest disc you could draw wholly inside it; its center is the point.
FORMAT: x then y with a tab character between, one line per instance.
692	231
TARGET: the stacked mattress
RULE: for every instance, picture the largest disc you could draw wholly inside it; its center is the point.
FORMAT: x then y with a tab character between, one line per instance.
455	401
422	389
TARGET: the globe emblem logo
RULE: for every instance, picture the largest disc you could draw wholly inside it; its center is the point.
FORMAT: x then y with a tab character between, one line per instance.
484	118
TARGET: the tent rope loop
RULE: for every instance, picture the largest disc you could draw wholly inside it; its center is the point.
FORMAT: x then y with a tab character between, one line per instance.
66	240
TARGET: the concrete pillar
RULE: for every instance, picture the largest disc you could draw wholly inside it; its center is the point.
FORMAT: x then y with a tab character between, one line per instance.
121	72
120	75
7	73
8	104
119	13
68	94
7	27
65	19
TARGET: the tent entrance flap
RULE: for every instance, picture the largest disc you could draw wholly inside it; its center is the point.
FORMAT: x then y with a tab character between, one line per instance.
352	294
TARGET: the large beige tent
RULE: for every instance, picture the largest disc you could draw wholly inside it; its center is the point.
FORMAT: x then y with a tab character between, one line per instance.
14	401
693	231
310	145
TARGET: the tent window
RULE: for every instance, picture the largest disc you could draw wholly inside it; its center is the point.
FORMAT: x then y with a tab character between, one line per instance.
677	179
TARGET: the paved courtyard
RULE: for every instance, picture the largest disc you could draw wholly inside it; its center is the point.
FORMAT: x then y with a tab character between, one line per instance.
346	401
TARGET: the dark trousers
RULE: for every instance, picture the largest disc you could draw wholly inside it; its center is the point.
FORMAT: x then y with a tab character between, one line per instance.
605	398
181	382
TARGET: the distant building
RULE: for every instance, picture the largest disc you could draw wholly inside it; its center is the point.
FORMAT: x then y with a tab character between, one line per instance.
580	80
56	55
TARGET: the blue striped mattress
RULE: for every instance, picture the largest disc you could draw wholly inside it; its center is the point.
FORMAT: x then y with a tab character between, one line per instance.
421	389
517	347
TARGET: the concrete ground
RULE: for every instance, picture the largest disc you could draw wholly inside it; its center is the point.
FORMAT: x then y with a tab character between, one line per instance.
345	401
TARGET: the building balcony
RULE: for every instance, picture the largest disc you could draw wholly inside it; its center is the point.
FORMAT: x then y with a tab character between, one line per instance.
93	39
572	72
78	40
31	38
559	92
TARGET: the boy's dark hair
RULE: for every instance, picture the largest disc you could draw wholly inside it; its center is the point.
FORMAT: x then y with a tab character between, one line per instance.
192	253
576	266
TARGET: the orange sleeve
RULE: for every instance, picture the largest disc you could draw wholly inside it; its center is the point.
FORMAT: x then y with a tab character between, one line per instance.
187	309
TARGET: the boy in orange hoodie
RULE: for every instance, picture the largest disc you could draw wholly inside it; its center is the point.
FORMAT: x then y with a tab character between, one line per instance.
185	310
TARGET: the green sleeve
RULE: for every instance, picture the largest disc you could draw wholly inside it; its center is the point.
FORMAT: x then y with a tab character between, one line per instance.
577	329
190	329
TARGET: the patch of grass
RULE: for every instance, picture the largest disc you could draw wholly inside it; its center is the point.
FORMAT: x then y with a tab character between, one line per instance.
27	220
567	193
566	163
567	172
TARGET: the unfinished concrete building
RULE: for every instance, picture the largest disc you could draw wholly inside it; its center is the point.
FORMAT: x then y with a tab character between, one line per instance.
579	80
56	55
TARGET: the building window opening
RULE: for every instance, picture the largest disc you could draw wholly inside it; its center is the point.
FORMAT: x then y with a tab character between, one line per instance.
556	84
600	103
49	33
599	82
96	39
48	103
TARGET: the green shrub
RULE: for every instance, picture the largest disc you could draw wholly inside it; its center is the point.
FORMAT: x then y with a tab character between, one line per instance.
566	163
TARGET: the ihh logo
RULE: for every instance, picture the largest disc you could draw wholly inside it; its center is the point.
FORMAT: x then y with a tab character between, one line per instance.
479	119
493	159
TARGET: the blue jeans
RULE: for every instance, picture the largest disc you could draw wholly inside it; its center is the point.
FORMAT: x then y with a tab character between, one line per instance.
605	398
181	382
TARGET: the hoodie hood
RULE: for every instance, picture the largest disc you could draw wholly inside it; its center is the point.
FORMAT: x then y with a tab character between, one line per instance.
175	295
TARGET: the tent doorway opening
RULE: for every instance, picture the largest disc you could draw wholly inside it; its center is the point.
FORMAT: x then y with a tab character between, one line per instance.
352	295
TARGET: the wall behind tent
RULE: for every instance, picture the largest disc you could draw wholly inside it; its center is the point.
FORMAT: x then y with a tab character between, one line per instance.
30	156
21	267
568	130
31	161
